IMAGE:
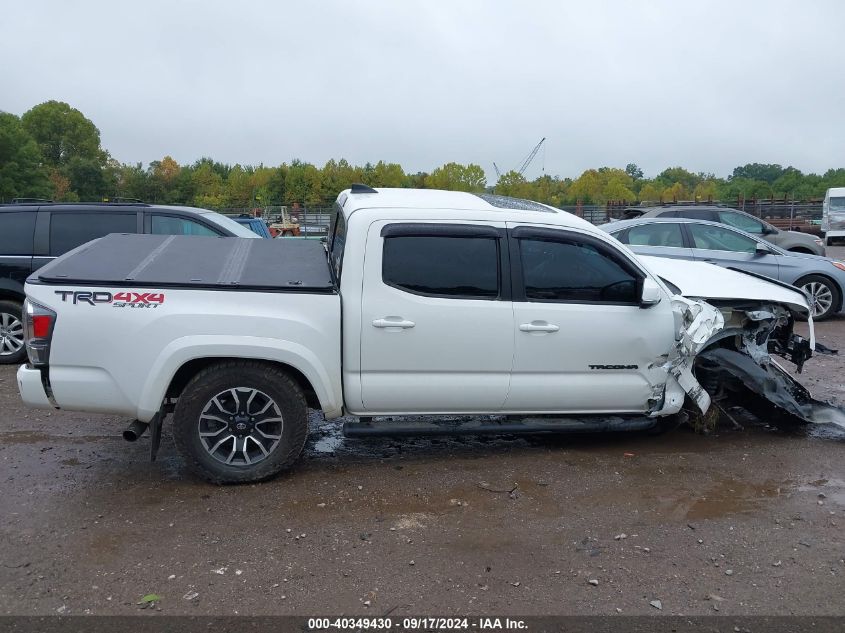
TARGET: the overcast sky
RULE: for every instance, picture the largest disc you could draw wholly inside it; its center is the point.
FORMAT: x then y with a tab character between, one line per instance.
705	85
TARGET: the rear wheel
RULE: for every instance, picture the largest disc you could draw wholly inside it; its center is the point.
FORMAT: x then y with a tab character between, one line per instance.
12	350
240	421
823	294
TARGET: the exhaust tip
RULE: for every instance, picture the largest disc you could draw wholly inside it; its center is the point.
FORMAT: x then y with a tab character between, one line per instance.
135	430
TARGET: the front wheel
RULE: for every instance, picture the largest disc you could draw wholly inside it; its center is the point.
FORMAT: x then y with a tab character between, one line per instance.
12	350
823	294
240	421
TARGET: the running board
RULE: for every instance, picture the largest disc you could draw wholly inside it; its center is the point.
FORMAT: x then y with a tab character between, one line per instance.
522	426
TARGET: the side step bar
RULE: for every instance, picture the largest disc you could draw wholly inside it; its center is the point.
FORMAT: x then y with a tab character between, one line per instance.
523	426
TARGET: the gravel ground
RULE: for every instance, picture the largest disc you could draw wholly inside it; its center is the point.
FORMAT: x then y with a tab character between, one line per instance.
743	522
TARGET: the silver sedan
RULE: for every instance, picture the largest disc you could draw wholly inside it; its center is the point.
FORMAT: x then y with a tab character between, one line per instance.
821	278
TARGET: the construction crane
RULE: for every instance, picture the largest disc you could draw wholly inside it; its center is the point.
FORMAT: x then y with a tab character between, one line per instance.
526	162
531	156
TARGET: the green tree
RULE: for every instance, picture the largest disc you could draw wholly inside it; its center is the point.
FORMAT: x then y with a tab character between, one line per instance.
678	175
651	192
513	184
239	188
208	186
633	171
21	173
389	175
457	177
63	133
759	171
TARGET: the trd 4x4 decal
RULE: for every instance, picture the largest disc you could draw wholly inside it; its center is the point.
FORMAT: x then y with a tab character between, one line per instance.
118	300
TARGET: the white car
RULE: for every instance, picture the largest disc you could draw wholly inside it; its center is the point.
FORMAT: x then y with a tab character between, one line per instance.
422	303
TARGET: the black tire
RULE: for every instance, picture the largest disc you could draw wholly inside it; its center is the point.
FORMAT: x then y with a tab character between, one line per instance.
209	384
827	293
10	313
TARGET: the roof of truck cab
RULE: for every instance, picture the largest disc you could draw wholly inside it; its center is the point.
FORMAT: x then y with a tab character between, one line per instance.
461	204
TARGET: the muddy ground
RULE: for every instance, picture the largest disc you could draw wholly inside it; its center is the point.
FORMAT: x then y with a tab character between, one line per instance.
741	522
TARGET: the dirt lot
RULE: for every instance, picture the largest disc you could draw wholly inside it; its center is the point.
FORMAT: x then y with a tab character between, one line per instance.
742	522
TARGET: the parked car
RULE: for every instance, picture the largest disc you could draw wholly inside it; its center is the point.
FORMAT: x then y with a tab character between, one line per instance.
833	214
454	303
794	241
256	225
822	278
33	234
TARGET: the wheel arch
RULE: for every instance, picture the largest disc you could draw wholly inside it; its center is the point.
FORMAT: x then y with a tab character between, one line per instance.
183	358
191	368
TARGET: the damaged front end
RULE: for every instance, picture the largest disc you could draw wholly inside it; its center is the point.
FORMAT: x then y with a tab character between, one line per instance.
737	367
729	327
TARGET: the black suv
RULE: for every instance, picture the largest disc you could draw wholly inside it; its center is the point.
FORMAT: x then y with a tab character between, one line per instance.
32	234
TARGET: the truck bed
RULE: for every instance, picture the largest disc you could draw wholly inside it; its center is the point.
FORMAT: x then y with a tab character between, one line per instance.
193	262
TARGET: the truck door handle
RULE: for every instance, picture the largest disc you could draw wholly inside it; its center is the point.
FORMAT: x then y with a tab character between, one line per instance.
538	326
397	322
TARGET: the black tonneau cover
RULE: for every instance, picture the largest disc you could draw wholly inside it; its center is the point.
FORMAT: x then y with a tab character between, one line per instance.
193	262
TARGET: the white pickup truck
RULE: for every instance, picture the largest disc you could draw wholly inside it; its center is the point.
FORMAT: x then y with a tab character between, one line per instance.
421	303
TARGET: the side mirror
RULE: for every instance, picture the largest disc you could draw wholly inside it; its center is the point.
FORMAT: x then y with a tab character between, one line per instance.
769	230
651	294
762	249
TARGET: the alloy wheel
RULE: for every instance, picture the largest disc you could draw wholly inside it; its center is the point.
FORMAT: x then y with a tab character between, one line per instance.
11	334
820	295
240	426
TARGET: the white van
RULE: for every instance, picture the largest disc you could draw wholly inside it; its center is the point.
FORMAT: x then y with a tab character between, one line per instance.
833	214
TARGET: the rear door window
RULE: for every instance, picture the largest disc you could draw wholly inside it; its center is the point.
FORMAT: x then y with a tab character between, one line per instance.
443	266
172	225
657	234
69	230
16	232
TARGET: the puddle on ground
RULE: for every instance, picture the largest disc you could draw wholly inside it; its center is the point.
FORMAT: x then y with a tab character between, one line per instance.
730	496
832	489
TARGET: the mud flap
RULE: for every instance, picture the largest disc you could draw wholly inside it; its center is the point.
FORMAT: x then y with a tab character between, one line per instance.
155	435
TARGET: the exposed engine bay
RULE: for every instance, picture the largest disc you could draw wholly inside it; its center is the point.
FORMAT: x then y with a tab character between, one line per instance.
731	327
737	367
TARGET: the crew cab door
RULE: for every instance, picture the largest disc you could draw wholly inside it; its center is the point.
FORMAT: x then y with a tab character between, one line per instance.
436	318
583	343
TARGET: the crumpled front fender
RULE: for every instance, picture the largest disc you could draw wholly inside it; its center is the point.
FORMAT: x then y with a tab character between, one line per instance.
697	322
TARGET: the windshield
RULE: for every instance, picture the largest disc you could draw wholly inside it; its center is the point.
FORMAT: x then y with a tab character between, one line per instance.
229	224
837	204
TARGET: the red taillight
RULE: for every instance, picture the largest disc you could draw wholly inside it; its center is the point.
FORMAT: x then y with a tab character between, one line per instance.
41	325
38	322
